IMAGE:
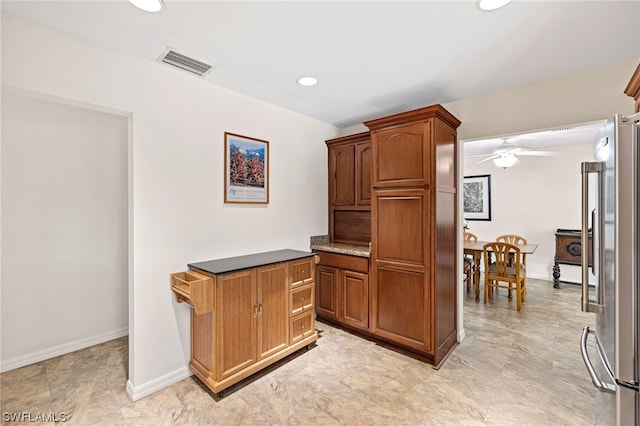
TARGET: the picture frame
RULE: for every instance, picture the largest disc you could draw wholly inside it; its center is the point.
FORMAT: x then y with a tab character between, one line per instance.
246	169
477	197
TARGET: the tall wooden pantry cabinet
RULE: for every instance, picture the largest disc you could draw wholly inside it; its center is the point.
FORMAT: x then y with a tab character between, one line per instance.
413	230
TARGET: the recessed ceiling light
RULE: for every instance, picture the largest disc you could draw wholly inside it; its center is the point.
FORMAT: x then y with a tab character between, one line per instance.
307	81
148	5
489	5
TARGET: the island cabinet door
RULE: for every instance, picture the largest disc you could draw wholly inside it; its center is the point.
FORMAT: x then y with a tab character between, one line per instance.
236	316
272	309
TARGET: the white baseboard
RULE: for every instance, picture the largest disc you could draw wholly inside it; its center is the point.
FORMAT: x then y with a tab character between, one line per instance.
461	335
543	277
137	392
65	348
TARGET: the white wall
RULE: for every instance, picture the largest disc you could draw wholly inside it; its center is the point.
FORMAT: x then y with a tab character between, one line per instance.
176	195
533	199
64	222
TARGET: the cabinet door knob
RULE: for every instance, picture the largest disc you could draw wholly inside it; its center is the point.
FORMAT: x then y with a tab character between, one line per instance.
302	299
302	325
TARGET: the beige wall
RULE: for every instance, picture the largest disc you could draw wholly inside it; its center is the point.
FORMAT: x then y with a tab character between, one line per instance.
591	95
588	96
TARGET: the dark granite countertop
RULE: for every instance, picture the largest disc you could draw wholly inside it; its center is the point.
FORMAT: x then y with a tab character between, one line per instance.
322	243
230	264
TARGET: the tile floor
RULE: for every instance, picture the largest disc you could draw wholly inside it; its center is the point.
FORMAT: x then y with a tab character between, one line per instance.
513	368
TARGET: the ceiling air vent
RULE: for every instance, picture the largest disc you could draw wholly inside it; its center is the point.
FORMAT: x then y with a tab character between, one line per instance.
171	57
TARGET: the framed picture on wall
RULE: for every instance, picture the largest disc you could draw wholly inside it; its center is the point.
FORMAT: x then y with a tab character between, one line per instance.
246	169
477	197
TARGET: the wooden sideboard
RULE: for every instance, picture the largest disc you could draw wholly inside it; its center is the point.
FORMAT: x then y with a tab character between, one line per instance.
569	251
247	312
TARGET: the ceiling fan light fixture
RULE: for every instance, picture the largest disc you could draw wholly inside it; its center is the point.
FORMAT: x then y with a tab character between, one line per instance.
489	5
505	160
148	5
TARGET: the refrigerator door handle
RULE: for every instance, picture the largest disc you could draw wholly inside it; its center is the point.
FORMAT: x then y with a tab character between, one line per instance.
604	386
589	305
593	235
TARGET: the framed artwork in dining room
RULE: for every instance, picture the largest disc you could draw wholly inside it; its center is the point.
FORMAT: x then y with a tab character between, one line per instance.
246	169
477	197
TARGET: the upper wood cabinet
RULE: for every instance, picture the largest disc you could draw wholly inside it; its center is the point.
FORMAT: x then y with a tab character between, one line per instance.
363	172
350	170
350	165
404	149
342	169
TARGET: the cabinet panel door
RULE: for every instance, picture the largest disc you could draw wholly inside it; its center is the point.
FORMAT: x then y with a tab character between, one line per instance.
364	159
273	309
355	299
400	226
402	156
236	342
342	175
326	292
402	307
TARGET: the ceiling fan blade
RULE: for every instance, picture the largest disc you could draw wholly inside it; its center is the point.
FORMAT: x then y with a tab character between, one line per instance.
486	159
480	155
539	153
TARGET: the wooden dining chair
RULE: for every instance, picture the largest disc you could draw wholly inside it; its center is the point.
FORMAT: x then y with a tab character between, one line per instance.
516	240
469	263
499	271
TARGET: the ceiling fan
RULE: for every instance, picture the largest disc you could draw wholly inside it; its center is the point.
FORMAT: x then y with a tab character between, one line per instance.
506	154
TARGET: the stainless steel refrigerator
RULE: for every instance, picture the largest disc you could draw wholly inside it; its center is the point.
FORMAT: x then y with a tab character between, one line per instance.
610	208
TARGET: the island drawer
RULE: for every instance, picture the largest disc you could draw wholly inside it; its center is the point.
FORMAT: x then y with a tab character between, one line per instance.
301	299
301	272
194	289
301	326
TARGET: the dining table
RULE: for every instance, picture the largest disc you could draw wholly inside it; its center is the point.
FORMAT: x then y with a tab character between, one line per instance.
475	249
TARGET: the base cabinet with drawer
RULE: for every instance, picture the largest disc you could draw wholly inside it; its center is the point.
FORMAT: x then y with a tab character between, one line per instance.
343	289
247	318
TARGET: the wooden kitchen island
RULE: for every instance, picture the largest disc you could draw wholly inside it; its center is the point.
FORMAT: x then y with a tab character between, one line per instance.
247	312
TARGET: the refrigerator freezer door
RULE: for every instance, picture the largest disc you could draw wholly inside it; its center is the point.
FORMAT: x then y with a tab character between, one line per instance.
626	267
616	244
